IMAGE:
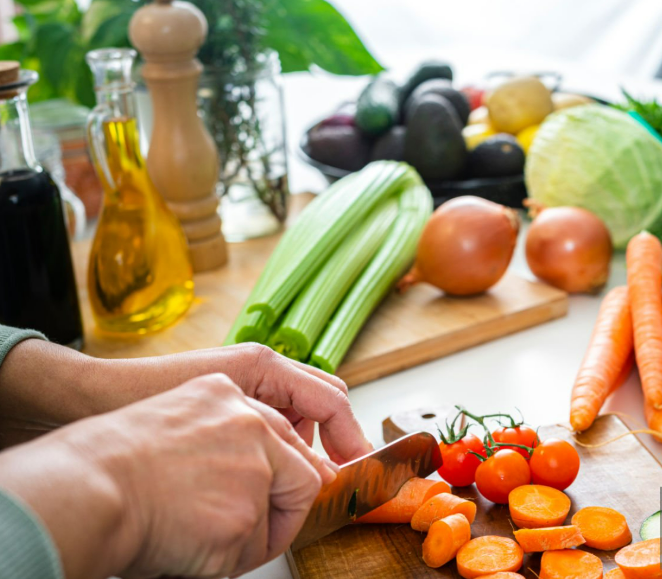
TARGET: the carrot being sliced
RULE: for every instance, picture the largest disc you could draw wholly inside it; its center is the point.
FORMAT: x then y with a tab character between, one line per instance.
615	573
444	539
604	361
502	575
439	507
644	265
570	564
537	506
602	528
549	539
401	508
640	560
488	554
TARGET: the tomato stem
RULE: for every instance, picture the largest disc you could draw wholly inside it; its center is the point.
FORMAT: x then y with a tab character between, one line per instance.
511	444
451	437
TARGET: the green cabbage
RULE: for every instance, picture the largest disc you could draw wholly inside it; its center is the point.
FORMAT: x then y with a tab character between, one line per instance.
601	159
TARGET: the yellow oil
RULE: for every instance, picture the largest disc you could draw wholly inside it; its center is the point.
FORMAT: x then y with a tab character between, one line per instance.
139	277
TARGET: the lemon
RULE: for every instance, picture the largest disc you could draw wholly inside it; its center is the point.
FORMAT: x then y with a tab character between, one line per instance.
525	137
474	135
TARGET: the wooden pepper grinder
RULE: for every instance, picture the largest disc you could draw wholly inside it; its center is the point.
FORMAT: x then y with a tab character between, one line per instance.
182	160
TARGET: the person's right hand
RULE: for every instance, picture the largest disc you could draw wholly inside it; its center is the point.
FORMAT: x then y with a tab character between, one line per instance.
199	481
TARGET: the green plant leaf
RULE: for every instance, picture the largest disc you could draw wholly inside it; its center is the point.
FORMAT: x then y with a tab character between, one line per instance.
312	32
12	51
54	43
106	14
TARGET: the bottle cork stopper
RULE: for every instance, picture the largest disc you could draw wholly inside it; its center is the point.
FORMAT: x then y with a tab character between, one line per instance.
9	70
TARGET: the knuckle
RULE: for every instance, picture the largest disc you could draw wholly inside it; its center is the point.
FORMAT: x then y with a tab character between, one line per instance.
253	424
259	353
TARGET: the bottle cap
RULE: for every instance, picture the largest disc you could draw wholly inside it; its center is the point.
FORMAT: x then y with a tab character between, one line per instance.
9	74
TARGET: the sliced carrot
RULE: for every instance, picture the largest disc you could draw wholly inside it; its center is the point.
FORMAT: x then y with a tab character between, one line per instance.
570	564
644	264
488	554
537	506
654	419
444	539
549	539
401	508
640	560
502	575
605	358
439	507
615	573
602	527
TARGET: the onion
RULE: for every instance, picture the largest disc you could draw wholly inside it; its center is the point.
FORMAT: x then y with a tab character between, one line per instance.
465	247
569	248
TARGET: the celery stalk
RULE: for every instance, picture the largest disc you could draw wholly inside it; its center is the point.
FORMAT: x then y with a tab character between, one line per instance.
320	229
394	256
311	310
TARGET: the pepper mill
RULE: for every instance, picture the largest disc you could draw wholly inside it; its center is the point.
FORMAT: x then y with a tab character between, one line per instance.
182	160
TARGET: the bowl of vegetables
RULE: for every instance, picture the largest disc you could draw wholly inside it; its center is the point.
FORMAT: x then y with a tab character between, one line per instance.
468	141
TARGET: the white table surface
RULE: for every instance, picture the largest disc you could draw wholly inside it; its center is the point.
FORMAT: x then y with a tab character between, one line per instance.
532	370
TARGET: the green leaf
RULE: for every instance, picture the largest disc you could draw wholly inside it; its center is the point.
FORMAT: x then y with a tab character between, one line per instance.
113	32
312	32
12	51
54	44
98	16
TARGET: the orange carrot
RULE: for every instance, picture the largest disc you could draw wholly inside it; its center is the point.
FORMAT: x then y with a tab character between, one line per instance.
444	539
570	564
439	507
549	539
615	573
401	508
640	560
605	358
654	419
502	575
603	528
488	554
644	263
537	506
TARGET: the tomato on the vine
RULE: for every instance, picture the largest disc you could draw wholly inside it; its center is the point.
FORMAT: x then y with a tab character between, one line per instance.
502	472
518	434
554	463
459	467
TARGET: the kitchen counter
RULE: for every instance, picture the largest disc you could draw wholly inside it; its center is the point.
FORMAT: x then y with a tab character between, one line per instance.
532	370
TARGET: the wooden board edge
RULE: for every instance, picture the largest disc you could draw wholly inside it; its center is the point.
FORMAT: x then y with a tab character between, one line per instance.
292	564
357	373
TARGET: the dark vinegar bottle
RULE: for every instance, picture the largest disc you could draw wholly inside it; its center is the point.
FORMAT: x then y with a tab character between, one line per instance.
37	284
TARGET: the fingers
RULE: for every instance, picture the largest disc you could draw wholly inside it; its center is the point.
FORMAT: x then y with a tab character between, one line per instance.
330	378
288	434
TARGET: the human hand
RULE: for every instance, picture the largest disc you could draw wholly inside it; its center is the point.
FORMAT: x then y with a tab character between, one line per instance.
191	482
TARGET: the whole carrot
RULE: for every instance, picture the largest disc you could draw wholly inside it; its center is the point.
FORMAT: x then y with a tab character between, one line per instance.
644	263
605	361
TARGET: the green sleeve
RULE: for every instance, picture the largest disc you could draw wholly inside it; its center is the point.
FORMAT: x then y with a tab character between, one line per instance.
9	337
26	548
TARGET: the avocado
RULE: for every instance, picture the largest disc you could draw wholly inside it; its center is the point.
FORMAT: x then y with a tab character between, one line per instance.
498	156
425	71
441	87
378	107
344	147
390	146
434	144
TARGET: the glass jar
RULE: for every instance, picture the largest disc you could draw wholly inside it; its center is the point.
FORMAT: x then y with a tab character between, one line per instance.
243	110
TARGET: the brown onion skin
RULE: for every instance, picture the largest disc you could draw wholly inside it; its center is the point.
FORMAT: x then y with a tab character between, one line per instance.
569	248
466	246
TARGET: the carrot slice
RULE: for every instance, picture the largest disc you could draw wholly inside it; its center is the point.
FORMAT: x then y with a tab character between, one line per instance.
537	506
602	527
502	575
439	507
549	539
605	359
644	264
444	539
401	508
488	554
570	564
640	560
615	574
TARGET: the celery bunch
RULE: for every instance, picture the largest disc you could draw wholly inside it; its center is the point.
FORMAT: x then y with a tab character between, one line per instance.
333	267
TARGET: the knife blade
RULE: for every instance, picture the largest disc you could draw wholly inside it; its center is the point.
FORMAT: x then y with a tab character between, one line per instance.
367	483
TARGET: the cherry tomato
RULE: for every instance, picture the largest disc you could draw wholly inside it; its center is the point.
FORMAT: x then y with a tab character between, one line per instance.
459	468
554	463
502	472
474	95
521	434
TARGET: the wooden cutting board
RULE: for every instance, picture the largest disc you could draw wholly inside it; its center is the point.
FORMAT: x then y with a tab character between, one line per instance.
405	331
622	475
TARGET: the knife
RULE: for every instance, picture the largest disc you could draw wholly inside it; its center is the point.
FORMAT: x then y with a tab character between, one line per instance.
367	483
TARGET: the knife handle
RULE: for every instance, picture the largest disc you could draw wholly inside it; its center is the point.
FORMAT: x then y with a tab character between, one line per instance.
420	419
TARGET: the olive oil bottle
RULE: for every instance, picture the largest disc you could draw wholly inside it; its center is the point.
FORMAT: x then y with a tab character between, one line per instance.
139	277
